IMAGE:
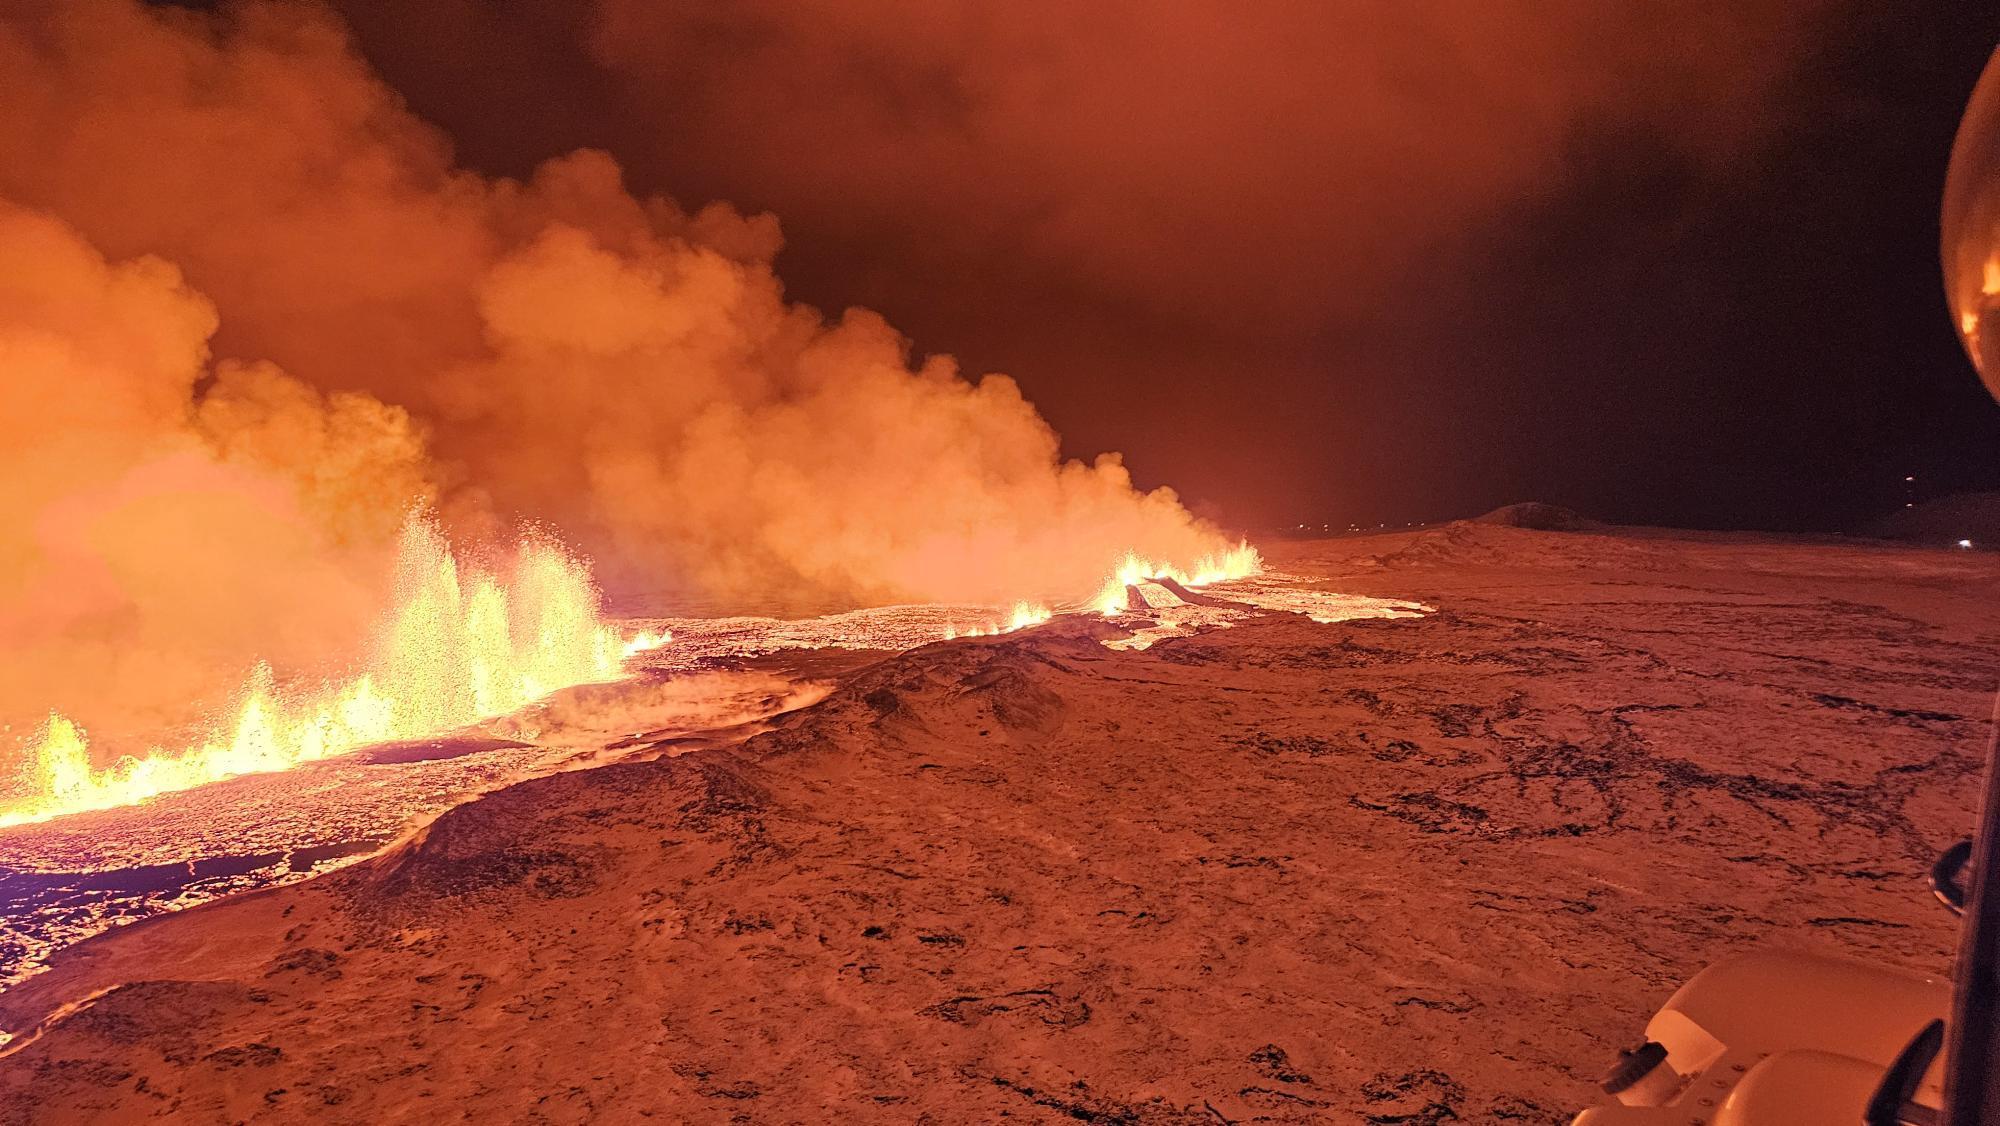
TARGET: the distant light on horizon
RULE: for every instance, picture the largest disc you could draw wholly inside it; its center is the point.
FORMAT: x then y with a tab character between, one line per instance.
1965	543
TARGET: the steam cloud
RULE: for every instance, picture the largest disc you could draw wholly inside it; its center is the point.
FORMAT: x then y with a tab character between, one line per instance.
250	311
147	534
1309	256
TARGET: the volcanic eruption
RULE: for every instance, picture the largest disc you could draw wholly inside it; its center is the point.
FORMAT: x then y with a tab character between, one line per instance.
254	313
456	646
492	628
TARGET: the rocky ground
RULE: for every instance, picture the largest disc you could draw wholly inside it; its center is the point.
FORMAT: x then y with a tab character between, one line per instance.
1407	871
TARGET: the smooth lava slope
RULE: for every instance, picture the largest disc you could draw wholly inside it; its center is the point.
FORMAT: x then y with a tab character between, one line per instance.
1396	871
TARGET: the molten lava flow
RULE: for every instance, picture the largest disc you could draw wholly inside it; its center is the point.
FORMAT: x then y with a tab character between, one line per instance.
458	645
1239	562
645	641
1025	614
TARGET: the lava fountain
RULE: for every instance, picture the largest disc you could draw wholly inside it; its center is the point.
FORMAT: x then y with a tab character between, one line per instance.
457	645
1239	562
1025	614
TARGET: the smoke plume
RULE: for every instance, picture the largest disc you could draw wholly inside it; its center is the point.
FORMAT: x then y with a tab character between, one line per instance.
167	521
250	311
1305	258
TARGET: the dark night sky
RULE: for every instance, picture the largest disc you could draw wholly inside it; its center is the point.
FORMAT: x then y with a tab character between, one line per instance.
1664	263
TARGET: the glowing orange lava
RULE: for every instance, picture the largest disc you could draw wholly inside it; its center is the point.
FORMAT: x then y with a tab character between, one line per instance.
1239	562
458	645
1025	614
